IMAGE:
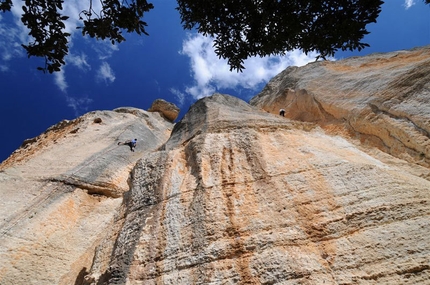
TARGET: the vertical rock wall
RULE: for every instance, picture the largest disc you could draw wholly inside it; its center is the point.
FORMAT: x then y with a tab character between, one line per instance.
241	196
381	99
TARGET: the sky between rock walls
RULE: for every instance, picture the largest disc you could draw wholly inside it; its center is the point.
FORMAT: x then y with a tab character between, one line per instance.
171	63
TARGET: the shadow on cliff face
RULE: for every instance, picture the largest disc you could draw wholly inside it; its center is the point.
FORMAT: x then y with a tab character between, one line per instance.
80	279
139	203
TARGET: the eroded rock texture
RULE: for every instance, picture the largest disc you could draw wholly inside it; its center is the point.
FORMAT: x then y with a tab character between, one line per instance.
240	196
168	110
382	99
61	193
233	193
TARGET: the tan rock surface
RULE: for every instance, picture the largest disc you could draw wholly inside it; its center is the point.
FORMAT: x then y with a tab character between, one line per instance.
382	99
62	191
240	196
169	110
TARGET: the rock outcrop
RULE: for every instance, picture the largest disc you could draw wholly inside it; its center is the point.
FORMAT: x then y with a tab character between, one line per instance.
169	110
242	196
382	99
62	190
231	194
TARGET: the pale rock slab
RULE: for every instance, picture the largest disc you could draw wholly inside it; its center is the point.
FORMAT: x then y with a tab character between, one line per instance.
62	193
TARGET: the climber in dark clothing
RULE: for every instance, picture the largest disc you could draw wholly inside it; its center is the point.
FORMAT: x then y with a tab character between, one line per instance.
282	112
131	144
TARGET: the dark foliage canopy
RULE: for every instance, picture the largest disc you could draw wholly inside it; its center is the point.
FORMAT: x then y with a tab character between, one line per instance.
46	24
244	28
241	28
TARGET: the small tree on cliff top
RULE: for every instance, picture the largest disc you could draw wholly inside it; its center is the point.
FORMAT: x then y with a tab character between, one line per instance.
241	28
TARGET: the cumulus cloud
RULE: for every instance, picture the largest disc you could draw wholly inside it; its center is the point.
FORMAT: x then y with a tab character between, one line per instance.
105	73
409	3
211	73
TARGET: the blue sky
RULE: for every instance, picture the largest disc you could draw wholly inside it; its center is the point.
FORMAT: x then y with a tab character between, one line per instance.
171	63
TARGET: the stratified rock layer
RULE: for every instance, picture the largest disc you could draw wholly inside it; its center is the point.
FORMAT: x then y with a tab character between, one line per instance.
382	99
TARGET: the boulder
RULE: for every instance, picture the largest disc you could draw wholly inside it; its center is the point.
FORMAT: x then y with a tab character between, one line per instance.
169	110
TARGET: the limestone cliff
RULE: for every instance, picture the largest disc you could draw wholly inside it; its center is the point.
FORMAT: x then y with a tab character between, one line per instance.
382	99
62	190
231	194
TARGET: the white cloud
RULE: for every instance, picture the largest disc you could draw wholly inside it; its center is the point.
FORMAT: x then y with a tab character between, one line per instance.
211	73
60	80
409	3
105	73
10	43
157	85
79	105
104	49
4	68
180	96
80	61
14	33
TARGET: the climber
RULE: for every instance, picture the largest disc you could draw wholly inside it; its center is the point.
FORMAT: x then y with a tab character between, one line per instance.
282	112
130	143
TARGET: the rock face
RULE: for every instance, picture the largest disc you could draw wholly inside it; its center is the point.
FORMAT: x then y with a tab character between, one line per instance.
381	99
231	194
62	190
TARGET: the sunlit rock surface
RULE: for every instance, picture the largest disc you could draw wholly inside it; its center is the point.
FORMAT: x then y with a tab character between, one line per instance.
62	190
243	196
231	194
169	110
382	99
